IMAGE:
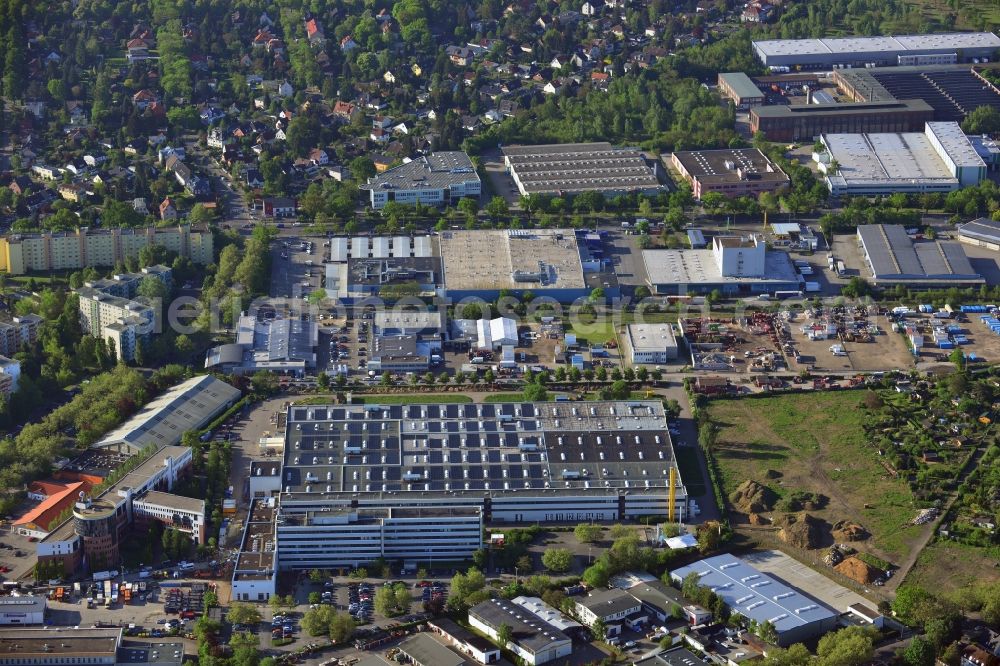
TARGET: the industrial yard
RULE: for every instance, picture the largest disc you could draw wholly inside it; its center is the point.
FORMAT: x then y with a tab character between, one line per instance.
846	338
834	339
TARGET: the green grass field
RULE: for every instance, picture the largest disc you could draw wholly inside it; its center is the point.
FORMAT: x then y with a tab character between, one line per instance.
816	442
598	332
412	398
507	397
392	399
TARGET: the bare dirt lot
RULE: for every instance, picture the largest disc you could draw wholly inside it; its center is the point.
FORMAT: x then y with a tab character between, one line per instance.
946	566
887	351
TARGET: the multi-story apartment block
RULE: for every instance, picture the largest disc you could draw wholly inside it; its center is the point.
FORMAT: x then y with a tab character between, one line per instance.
25	253
119	320
21	331
10	373
126	285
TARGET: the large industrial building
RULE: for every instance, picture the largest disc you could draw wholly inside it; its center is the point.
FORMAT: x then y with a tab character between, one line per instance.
734	265
741	89
953	91
482	263
284	346
758	596
557	263
95	646
803	122
982	232
383	266
532	638
417	483
889	50
733	172
91	539
27	253
652	343
893	258
24	610
571	168
438	179
939	159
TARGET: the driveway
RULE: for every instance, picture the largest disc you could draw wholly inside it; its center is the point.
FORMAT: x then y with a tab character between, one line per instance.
689	436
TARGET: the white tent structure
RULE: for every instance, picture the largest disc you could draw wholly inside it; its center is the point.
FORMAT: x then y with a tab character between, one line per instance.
495	333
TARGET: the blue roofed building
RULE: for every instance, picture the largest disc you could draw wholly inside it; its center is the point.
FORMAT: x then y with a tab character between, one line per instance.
758	596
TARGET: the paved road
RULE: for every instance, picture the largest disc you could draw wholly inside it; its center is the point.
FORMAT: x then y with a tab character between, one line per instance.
234	209
689	435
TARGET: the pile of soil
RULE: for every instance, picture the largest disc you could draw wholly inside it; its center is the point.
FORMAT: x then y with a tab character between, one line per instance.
801	531
845	530
752	497
858	571
757	519
772	474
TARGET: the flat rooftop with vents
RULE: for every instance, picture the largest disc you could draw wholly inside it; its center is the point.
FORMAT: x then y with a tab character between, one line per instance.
572	168
760	597
440	178
532	638
734	173
483	262
369	450
46	646
939	159
882	50
892	257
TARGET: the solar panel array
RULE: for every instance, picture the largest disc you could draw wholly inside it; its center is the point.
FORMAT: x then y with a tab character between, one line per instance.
459	447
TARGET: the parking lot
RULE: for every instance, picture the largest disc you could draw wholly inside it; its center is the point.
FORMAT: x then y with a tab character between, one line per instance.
296	267
17	556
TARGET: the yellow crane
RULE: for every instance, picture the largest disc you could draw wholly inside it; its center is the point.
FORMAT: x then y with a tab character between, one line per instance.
671	510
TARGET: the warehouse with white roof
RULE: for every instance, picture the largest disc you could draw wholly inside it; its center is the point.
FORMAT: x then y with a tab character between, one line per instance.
757	596
939	159
889	50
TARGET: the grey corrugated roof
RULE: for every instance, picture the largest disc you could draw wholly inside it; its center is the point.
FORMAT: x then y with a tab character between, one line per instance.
437	170
892	254
608	602
982	229
754	594
22	604
224	355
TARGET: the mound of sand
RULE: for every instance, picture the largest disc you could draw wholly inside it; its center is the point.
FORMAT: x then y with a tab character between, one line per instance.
802	531
858	571
752	497
845	530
